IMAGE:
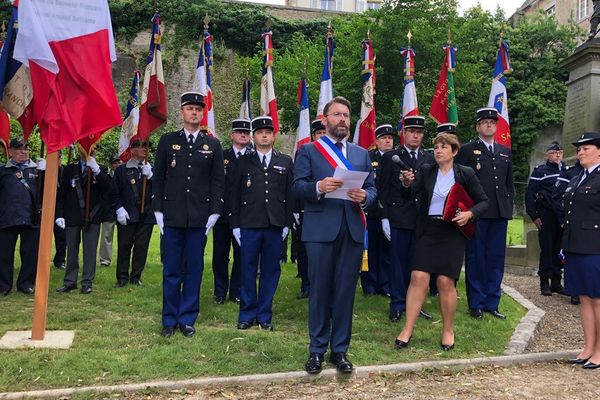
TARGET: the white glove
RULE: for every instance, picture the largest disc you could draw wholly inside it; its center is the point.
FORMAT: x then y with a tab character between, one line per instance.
93	165
297	218
60	222
237	234
160	221
385	227
41	164
147	170
212	220
122	216
284	232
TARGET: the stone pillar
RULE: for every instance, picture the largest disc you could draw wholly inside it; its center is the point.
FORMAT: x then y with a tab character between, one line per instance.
582	110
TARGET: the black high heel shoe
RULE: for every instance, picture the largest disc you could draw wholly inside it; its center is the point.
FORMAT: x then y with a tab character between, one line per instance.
401	344
447	347
579	361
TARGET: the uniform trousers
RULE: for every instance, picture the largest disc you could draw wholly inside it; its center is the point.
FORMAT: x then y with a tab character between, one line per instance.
106	242
333	270
134	236
60	246
75	235
550	236
484	264
302	259
402	251
28	250
376	279
222	242
263	243
183	263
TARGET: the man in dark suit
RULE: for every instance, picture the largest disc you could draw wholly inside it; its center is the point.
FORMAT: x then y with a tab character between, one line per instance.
134	228
333	231
81	219
222	237
109	218
261	214
485	255
188	186
376	279
398	214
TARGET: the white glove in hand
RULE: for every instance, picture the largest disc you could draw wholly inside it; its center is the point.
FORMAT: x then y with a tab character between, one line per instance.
212	220
122	216
160	221
237	235
297	218
284	232
93	165
60	222
385	227
147	170
41	164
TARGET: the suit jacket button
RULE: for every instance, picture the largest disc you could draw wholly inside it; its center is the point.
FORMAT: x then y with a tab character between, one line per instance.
188	190
266	191
266	200
595	226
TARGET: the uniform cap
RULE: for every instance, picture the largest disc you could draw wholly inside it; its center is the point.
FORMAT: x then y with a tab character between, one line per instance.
241	124
588	138
17	143
487	113
262	122
414	122
446	128
192	98
383	130
554	146
316	125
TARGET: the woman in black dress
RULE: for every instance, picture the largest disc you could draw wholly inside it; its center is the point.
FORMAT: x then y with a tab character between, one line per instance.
440	246
581	245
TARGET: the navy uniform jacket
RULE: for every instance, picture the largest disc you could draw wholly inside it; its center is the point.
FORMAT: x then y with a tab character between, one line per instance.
582	215
401	211
188	184
540	187
560	186
70	200
126	191
18	195
495	172
108	213
259	198
229	158
376	157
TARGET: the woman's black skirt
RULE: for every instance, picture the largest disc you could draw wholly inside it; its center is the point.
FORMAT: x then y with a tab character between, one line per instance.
440	249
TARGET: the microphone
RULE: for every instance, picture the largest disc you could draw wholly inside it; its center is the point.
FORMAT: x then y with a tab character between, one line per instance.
397	160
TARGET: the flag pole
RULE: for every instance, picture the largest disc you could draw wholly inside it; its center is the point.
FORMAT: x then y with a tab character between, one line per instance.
40	186
42	281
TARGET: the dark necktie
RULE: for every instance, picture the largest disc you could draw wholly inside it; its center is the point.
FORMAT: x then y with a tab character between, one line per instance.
264	162
586	173
340	146
239	154
491	149
413	156
191	140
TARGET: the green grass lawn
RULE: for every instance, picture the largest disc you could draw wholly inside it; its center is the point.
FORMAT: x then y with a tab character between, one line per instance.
514	234
117	334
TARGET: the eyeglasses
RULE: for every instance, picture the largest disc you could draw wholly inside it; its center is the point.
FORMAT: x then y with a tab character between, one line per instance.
338	114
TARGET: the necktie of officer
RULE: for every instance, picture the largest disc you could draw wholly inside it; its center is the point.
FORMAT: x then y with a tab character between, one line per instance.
413	157
264	162
491	149
191	139
238	155
586	173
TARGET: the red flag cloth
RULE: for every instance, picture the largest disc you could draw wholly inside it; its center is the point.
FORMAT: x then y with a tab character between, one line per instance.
4	131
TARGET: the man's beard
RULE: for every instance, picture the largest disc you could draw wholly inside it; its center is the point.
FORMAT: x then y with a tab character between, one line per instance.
338	132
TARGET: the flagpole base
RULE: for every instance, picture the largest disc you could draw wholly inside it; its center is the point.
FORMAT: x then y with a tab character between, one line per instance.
52	340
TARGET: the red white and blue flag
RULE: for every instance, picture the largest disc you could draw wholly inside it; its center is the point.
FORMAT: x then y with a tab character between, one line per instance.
498	95
246	108
410	105
268	100
364	134
153	107
69	52
131	120
303	132
16	96
326	90
203	85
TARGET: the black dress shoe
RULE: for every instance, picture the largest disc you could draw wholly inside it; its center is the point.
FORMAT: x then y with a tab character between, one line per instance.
401	344
265	326
86	289
28	290
302	295
497	314
425	315
60	266
313	364
245	324
447	347
575	300
136	282
579	361
236	300
591	365
66	288
341	362
187	330
167	331
219	299
395	316
476	313
120	284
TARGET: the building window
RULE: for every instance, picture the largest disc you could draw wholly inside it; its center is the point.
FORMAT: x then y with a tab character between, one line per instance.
314	4
373	5
551	11
361	5
338	5
583	9
328	5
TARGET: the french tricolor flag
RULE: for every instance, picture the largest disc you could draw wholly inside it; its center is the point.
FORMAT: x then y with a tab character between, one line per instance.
153	107
246	107
410	105
202	82
303	132
364	134
69	49
498	95
326	90
268	101
131	120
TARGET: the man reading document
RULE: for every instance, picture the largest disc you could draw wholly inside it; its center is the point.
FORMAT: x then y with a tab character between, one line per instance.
333	231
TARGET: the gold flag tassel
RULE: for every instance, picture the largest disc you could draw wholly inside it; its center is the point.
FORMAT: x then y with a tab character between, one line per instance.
364	266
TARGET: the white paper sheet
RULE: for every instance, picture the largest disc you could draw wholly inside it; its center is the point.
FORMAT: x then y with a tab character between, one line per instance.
351	179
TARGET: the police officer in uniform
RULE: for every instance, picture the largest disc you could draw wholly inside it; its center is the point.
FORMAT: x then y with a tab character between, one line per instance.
134	228
447	127
222	237
81	220
376	280
19	217
107	228
398	216
484	262
261	215
187	187
538	205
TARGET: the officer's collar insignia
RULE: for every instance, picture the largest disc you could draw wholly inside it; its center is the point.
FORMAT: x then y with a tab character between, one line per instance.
205	147
478	152
176	147
19	175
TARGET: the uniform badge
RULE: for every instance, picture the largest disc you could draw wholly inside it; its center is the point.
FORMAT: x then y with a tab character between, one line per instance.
173	163
19	175
225	162
176	147
375	164
478	152
205	147
478	166
132	181
248	182
72	183
504	155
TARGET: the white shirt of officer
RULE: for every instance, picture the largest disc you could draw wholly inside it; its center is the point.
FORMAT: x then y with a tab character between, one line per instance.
194	134
261	156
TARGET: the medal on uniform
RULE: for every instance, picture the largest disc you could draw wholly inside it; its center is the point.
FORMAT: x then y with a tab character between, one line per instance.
19	175
173	163
248	182
478	166
205	147
132	181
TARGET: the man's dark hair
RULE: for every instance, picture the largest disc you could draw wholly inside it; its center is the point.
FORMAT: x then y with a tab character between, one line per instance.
339	100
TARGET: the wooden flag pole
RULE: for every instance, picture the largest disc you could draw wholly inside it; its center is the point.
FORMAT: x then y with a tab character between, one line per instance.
144	179
42	281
